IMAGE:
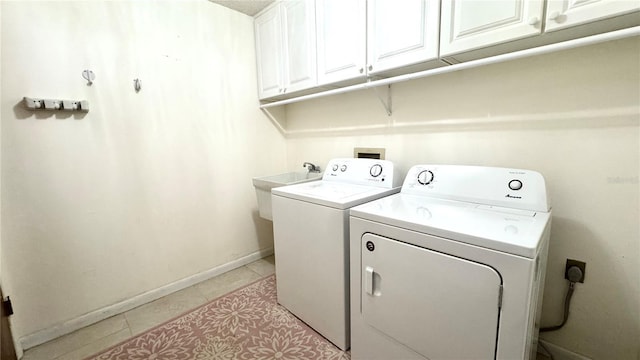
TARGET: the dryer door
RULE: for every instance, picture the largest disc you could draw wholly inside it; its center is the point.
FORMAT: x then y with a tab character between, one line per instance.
440	306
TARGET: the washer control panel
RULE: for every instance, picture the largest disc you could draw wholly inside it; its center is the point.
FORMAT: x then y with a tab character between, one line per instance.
512	188
372	172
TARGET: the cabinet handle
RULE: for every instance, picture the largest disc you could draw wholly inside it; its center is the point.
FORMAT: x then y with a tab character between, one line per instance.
534	21
361	70
555	16
370	67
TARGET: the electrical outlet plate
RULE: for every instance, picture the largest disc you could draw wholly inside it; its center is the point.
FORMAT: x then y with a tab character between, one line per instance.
579	264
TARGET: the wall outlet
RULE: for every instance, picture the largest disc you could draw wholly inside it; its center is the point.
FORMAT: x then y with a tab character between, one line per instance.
574	270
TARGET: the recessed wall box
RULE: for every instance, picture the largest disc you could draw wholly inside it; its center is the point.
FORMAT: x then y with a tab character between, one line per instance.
369	153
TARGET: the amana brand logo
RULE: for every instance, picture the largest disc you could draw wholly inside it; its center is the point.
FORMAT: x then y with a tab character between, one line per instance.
513	197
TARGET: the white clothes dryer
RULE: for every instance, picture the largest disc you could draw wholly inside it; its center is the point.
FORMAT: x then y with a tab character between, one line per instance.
311	240
452	267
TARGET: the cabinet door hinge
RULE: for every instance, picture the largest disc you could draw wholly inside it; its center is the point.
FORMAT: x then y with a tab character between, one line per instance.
500	297
8	308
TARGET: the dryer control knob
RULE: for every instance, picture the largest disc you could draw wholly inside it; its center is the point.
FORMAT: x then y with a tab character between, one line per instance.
425	177
515	185
375	170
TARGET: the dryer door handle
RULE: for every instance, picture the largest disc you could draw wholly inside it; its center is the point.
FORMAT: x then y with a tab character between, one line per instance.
372	281
368	280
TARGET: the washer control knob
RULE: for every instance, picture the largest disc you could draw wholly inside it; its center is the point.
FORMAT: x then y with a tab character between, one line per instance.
515	185
343	168
335	167
425	177
375	170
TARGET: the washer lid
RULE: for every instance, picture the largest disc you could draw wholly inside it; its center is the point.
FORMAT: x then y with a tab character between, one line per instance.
333	194
513	231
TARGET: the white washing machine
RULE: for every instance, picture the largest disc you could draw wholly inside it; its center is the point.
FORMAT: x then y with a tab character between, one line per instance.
311	236
452	267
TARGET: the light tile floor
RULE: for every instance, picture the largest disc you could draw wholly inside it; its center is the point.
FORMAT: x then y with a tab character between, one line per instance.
94	338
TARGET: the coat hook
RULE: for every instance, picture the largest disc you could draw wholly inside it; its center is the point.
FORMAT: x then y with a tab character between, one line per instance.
137	84
89	76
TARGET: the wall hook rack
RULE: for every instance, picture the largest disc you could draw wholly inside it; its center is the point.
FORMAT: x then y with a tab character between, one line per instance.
55	104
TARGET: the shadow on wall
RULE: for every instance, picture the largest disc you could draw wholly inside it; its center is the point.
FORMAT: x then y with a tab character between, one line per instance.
21	113
601	118
264	230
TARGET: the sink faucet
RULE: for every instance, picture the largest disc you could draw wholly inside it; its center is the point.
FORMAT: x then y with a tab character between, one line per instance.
311	167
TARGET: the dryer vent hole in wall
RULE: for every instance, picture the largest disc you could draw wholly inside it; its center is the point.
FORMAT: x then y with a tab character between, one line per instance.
574	272
369	153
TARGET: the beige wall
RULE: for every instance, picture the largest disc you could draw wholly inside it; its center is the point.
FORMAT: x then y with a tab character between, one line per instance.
573	116
147	188
150	188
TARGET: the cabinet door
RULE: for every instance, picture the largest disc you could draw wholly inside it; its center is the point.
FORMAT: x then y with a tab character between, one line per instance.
300	39
401	35
341	33
268	32
472	24
566	13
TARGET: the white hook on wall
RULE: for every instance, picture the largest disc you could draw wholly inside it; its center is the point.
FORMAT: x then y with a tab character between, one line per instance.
89	76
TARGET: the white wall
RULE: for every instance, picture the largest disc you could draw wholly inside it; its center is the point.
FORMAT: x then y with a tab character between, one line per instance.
147	188
573	116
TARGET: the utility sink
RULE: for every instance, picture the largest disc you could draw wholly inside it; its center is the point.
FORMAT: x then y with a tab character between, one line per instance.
264	185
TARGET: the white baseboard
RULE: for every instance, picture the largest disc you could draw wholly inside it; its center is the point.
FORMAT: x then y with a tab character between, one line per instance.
560	353
42	336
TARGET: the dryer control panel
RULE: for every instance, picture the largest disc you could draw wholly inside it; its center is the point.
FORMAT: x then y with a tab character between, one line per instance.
488	186
370	172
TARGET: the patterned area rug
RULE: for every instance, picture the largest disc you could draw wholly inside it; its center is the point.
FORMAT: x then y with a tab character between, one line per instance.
246	324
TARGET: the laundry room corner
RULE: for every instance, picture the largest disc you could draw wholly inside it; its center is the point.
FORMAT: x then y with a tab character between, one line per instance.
573	116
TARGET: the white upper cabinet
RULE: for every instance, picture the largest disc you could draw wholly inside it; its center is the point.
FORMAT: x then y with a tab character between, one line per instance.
472	24
286	48
303	45
341	35
300	45
565	13
269	52
401	33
